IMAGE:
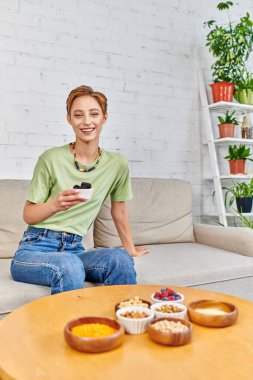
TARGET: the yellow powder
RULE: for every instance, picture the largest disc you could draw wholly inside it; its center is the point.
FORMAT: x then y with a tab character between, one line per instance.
93	330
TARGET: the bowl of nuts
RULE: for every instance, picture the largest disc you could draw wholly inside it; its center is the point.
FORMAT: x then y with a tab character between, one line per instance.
170	331
135	319
135	301
167	309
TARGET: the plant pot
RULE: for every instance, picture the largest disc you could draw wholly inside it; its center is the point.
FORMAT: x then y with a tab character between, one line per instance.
237	166
245	96
222	91
244	205
226	130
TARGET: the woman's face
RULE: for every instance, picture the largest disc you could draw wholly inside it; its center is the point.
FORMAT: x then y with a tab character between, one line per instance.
86	118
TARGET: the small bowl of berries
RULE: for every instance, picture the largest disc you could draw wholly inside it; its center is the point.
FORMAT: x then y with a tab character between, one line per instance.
167	294
85	190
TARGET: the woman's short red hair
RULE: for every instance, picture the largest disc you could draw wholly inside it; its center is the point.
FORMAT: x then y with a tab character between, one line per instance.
86	90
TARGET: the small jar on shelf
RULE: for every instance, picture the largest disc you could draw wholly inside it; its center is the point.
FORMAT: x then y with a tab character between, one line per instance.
246	128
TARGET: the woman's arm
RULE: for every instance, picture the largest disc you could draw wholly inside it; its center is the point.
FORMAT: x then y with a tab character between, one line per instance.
120	217
35	213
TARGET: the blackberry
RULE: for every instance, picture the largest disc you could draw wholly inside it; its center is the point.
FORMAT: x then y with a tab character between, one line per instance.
85	185
76	187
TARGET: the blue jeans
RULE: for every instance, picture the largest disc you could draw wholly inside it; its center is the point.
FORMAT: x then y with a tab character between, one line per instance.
59	260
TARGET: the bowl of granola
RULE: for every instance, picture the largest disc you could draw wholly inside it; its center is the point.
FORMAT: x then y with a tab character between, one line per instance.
135	319
135	301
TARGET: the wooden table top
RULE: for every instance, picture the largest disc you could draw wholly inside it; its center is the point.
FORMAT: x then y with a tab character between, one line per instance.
32	344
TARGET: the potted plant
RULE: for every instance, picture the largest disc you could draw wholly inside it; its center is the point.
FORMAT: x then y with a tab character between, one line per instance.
244	89
227	124
231	46
237	158
242	193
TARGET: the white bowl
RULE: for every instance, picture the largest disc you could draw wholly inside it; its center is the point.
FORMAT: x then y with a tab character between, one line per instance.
135	325
86	193
159	314
181	300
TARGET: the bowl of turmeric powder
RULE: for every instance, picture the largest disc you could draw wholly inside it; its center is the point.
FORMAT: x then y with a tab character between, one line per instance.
94	334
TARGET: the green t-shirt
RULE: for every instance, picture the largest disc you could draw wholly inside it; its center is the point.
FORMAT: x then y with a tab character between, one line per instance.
55	171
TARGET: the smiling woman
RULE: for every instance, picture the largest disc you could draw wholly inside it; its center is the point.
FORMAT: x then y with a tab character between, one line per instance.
50	252
87	115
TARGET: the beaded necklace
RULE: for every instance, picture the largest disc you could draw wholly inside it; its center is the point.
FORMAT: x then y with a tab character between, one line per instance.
77	164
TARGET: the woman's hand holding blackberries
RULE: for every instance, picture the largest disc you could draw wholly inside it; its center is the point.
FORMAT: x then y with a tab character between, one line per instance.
67	199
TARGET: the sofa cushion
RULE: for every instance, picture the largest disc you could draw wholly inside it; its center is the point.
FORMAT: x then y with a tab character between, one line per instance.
14	294
12	226
190	264
184	264
160	212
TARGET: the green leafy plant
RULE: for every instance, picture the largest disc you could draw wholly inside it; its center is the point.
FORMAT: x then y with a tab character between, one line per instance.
226	5
230	45
228	119
247	222
239	190
238	153
246	81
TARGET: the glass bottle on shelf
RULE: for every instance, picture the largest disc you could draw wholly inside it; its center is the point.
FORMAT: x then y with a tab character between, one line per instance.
246	128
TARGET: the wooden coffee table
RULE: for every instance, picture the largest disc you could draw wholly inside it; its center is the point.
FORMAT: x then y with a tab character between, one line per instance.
32	344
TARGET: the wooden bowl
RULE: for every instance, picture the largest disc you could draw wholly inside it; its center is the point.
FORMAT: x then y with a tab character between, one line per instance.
85	344
212	313
117	304
170	338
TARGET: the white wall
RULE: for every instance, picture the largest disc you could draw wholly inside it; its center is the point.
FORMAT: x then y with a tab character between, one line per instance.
140	53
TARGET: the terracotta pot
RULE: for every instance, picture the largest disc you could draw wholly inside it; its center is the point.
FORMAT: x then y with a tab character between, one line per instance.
222	91
227	130
237	166
245	96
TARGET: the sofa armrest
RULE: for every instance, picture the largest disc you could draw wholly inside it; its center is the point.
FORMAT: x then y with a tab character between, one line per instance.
233	239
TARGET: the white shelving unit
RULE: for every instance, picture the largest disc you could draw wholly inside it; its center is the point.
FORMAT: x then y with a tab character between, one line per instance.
213	144
238	107
230	140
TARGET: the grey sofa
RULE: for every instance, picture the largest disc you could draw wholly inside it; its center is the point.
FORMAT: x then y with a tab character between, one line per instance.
204	256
